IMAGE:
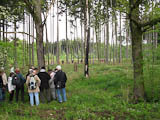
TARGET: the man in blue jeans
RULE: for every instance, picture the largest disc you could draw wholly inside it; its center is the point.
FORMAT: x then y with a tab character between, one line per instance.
60	84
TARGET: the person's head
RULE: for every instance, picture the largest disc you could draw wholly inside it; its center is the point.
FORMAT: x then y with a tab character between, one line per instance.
1	72
50	71
32	67
59	67
43	67
2	68
55	70
35	71
17	70
30	71
11	74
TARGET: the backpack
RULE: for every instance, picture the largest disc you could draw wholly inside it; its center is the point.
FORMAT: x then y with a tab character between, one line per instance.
1	82
32	83
59	84
16	80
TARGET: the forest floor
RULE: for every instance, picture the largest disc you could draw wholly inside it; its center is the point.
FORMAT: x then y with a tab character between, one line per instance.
105	95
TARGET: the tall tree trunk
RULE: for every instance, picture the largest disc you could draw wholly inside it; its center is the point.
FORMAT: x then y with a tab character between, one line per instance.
33	44
113	39
35	9
15	45
82	47
53	37
127	42
120	44
67	35
76	29
87	20
3	26
47	45
104	41
39	45
136	37
29	41
116	50
97	43
57	34
93	46
107	37
6	31
0	32
24	39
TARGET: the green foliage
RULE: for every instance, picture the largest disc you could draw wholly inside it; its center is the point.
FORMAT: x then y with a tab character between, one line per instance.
106	95
4	53
11	10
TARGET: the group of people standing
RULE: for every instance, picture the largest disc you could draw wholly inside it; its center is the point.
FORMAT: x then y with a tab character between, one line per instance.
49	85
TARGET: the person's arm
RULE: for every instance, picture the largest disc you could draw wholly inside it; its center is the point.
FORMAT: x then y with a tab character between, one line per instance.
38	80
65	77
22	78
27	82
48	77
55	79
51	80
9	84
4	77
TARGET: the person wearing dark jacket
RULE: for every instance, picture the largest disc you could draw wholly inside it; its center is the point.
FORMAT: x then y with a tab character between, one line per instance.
20	86
44	87
60	84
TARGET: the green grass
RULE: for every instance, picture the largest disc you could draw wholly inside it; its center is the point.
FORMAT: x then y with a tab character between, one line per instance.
105	95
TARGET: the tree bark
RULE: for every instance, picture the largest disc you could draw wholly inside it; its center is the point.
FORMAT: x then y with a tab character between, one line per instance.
136	37
87	22
29	41
127	42
35	9
107	37
15	46
23	39
57	35
33	43
120	41
82	41
67	35
3	27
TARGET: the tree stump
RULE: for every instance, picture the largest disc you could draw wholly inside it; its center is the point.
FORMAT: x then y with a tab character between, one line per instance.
75	67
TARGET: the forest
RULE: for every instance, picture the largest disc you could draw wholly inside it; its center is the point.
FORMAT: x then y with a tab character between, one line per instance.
109	49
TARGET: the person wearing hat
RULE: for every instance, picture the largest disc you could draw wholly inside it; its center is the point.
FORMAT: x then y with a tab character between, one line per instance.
60	84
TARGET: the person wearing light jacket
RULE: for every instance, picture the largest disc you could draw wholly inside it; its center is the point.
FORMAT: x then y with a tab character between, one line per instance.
34	92
11	87
3	83
51	83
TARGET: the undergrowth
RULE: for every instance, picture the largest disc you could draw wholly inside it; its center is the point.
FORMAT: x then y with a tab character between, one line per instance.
105	95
